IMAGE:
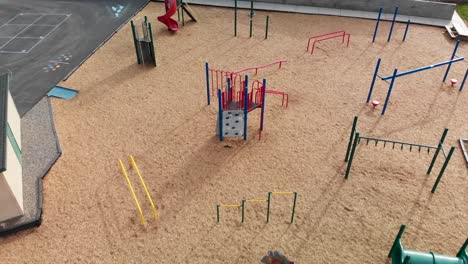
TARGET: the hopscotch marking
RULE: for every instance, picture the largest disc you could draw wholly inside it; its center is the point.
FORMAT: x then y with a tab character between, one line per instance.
41	15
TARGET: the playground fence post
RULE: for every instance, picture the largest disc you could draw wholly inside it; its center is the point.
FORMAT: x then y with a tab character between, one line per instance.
393	24
439	147
135	41
246	105
441	173
266	26
268	207
251	17
207	74
235	18
220	117
387	99
350	143
353	150
217	213
406	29
451	58
463	82
153	51
377	24
376	72
294	207
398	237
243	209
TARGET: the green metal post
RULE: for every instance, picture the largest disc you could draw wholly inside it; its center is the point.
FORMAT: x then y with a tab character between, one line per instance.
183	20
353	132
251	18
441	173
266	27
217	213
243	209
178	10
462	251
398	237
135	41
268	207
350	162
439	147
294	207
235	18
153	51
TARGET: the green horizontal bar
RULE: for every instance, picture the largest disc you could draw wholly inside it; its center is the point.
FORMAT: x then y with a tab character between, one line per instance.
398	142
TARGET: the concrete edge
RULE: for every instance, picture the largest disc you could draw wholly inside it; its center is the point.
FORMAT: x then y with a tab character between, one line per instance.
320	11
37	221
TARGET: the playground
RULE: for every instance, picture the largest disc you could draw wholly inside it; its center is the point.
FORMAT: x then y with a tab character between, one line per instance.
229	200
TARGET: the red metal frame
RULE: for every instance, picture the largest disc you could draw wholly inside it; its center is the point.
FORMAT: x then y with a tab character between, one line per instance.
256	68
328	36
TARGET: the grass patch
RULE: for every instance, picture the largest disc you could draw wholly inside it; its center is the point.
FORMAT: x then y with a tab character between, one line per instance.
462	10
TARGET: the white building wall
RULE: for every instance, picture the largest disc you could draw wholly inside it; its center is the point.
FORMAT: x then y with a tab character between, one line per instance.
9	207
14	120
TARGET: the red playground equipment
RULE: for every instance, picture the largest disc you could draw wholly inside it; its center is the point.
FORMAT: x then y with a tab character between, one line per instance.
218	78
337	34
236	100
171	8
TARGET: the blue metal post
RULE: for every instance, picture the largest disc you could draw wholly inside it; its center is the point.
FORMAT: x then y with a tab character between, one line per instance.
451	58
207	83
389	91
246	105
393	24
406	30
263	105
376	72
377	25
220	115
423	68
463	83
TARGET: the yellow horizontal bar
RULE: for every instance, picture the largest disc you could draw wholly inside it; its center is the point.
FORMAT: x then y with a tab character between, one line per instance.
282	192
230	205
256	201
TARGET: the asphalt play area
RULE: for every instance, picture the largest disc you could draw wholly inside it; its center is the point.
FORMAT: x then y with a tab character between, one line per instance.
43	41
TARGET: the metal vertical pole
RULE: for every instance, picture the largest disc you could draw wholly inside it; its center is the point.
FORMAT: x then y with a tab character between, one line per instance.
294	207
377	24
251	17
451	58
439	147
220	116
406	30
153	51
229	91
262	115
351	157
246	105
398	237
268	207
266	27
464	79
135	41
217	213
393	24
350	143
387	99
235	18
441	173
376	72
207	74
